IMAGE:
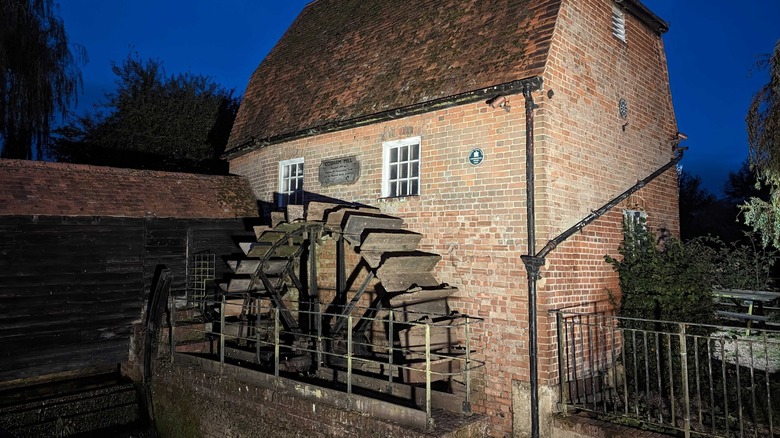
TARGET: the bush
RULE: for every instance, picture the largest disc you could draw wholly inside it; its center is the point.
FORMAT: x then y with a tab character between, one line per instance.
663	279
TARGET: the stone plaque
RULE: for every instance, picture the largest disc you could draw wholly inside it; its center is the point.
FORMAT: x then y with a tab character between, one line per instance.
344	170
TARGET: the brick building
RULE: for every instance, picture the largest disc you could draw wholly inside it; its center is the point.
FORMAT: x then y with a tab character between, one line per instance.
436	103
79	249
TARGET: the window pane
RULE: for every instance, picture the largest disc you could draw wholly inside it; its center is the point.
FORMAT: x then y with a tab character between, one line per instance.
404	170
415	152
415	169
394	155
393	189
285	172
414	189
393	171
405	153
402	188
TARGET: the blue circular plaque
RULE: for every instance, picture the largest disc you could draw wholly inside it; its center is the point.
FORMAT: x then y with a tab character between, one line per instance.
476	156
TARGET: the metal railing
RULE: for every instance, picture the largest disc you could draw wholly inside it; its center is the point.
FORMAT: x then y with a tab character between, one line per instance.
200	273
701	380
253	332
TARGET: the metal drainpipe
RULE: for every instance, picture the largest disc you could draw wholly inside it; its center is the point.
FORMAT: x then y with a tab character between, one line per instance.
532	263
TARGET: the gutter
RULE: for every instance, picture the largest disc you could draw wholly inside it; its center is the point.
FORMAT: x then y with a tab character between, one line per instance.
514	87
533	263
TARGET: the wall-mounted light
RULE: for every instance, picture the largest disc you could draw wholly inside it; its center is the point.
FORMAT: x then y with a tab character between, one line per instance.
499	102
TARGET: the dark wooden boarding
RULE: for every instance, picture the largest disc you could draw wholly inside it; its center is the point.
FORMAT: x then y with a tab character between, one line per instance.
72	287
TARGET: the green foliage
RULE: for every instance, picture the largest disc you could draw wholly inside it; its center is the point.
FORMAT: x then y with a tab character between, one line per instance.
154	121
764	217
743	185
662	283
672	281
763	126
39	75
667	282
662	280
736	265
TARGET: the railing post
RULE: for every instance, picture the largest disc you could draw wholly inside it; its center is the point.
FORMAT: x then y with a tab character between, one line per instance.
222	330
467	403
276	341
319	333
564	393
257	345
428	374
684	379
768	385
390	351
349	354
172	313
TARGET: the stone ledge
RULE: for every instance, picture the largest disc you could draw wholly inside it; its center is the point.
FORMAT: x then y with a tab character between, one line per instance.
579	426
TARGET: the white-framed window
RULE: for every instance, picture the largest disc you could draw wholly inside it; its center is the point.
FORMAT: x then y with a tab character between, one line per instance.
635	219
401	167
618	23
290	182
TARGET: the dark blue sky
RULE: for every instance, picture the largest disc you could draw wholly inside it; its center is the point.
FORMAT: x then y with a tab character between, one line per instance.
712	46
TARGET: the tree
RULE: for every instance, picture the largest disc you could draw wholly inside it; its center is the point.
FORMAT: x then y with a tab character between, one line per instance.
695	203
763	126
39	75
702	214
153	121
743	185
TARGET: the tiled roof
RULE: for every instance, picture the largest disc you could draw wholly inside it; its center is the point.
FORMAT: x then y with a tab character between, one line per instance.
346	59
39	188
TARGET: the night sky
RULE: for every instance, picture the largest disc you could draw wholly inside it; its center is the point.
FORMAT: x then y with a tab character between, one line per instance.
712	47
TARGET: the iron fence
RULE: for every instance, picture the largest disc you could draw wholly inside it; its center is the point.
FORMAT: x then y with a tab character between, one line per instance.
698	380
253	332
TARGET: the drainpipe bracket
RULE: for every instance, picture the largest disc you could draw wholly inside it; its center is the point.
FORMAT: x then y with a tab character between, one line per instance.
533	265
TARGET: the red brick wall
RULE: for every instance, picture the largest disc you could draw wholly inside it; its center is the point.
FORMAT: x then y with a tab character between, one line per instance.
472	216
587	156
475	216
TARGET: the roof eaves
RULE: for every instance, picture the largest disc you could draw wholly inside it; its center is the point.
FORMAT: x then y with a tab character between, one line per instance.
534	83
645	15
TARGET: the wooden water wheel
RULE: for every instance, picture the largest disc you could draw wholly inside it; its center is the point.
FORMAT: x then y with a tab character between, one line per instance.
404	288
